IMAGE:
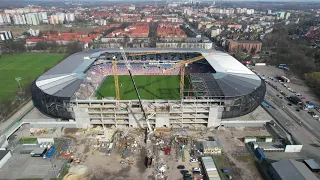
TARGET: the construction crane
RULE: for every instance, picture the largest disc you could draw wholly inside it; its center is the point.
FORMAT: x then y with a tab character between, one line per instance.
115	75
183	65
123	54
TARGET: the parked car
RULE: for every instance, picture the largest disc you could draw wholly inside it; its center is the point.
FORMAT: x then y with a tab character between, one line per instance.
193	160
180	167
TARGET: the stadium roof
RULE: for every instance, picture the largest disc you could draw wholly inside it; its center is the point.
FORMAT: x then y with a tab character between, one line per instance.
233	78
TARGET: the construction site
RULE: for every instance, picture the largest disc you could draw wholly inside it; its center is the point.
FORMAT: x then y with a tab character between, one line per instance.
161	154
174	126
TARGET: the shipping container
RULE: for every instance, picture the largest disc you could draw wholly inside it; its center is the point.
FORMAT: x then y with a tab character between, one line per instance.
209	168
50	152
259	153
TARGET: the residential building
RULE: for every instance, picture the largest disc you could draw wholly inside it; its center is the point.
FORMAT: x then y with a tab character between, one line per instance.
32	19
269	12
4	18
287	15
34	32
70	17
240	45
19	19
178	42
5	35
250	11
43	17
241	10
57	18
290	169
235	26
215	32
188	12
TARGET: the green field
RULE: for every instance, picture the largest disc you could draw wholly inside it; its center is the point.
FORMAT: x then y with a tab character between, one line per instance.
28	66
150	87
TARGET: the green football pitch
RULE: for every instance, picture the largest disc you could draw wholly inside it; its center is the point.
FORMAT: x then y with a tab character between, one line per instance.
150	87
28	66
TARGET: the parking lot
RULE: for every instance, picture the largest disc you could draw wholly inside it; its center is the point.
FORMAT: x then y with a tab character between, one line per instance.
25	166
278	94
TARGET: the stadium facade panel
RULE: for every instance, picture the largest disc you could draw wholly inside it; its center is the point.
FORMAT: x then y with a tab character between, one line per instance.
222	88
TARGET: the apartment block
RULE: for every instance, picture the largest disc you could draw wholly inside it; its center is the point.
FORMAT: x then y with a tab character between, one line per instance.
4	18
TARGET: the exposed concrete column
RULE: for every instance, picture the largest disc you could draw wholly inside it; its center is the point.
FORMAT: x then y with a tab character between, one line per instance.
82	117
214	119
135	120
162	120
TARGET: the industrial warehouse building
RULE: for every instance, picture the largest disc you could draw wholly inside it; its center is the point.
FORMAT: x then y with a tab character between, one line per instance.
5	155
291	170
223	89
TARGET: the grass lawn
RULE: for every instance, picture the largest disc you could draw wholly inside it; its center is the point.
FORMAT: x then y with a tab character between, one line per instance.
28	140
28	66
150	87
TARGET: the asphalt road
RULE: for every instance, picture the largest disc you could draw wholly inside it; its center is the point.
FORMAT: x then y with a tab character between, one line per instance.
310	143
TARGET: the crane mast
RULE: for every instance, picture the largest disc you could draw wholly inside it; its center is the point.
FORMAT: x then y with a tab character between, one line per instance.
116	80
123	54
182	65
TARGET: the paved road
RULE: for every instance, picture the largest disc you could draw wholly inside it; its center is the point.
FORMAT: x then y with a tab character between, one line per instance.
296	129
17	116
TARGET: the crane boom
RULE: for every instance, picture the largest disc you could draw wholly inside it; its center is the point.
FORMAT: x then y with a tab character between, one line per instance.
135	86
183	64
189	61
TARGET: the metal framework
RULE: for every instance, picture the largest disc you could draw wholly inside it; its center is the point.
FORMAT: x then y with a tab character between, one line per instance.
123	54
182	65
146	53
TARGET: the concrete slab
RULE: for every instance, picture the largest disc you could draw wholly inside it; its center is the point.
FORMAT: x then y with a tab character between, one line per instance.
36	170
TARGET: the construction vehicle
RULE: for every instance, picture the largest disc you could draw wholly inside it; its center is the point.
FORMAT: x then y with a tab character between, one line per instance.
182	65
123	54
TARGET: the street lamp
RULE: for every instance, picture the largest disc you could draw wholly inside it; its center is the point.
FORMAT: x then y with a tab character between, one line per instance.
18	79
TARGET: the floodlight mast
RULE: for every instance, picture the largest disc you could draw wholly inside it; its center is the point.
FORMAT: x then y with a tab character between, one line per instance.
124	56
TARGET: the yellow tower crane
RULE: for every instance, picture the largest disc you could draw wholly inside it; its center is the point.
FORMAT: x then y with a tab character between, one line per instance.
183	65
115	75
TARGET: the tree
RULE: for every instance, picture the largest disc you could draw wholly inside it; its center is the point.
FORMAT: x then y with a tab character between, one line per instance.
253	50
73	47
245	50
142	16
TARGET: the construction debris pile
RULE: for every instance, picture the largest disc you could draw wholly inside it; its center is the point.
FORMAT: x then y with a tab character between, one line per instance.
78	172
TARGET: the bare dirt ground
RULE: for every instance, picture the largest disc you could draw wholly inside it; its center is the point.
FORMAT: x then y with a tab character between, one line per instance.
236	157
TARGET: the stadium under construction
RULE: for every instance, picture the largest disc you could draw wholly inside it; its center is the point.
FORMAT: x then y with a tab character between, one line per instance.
215	87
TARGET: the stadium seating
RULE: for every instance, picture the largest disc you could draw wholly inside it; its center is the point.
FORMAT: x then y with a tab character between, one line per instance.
97	73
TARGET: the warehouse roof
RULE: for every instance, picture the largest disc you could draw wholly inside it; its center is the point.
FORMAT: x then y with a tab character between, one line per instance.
293	170
312	164
3	153
233	78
